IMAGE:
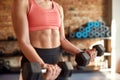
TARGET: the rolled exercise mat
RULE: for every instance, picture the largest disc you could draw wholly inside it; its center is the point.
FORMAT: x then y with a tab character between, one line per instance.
97	35
87	29
71	35
91	35
94	29
108	34
102	23
81	29
78	34
96	24
106	28
101	29
102	34
90	24
84	35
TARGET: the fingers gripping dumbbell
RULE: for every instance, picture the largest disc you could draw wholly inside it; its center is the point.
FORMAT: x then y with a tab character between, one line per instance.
33	71
83	58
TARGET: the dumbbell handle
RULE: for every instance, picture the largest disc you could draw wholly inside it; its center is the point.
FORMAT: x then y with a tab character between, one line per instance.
60	64
35	70
66	67
44	71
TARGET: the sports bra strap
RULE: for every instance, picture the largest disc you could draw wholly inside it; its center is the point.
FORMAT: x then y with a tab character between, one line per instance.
59	11
30	1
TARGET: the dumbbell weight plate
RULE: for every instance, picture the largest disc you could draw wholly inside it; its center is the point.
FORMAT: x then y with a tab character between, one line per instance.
32	71
100	49
82	59
67	69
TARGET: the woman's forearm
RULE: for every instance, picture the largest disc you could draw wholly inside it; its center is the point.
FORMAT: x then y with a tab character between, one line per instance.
30	53
66	45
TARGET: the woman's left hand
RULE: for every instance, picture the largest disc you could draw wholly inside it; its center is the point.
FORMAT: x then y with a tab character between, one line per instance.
92	53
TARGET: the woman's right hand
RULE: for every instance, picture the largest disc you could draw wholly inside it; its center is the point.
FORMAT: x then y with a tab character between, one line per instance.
52	72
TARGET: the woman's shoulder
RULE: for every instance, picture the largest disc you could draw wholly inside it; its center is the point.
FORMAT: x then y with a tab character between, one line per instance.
21	2
58	5
21	5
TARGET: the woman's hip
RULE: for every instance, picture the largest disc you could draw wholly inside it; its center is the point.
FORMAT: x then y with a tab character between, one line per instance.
50	56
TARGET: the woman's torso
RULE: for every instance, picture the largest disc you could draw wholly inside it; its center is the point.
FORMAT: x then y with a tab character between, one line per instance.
46	38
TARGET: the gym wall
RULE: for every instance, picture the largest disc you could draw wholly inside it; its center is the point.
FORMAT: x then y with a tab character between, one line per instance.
6	27
77	13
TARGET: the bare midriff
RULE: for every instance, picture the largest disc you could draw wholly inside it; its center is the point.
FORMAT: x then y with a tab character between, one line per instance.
48	38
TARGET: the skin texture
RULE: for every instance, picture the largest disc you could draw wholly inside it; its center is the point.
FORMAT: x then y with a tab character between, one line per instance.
48	38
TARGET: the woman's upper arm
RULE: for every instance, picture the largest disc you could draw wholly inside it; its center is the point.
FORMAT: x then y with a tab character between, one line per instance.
19	18
62	33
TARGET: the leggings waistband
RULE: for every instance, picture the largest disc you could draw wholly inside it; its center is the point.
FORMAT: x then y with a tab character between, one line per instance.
48	51
51	56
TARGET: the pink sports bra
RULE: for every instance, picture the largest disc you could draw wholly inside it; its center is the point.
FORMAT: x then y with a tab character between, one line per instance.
40	18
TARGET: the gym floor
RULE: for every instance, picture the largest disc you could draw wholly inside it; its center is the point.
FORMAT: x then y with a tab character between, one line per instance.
75	76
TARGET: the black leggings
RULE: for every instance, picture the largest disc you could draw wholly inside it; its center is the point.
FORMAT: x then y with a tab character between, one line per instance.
50	56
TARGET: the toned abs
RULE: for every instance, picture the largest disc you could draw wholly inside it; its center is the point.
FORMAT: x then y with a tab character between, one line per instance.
48	38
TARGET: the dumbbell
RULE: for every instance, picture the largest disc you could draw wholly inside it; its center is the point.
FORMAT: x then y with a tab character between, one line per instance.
1	53
83	58
10	38
1	64
17	53
4	64
33	71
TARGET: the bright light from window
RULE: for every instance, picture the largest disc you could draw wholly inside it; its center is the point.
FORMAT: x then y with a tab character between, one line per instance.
113	67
